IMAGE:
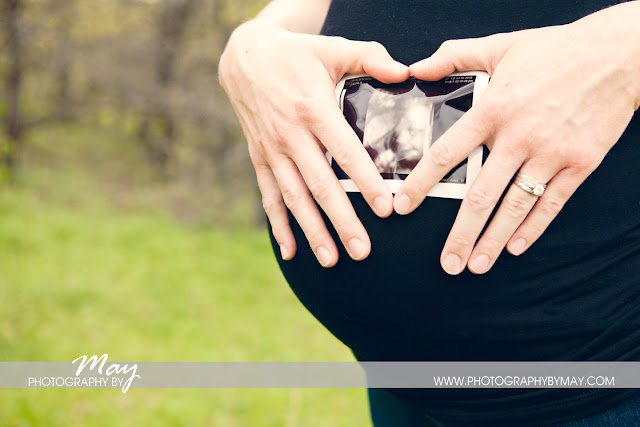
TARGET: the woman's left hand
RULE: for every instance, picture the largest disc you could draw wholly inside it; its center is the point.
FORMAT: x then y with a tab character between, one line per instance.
559	99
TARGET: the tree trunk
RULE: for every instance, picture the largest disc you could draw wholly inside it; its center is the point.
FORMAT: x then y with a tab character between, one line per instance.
158	127
66	15
14	122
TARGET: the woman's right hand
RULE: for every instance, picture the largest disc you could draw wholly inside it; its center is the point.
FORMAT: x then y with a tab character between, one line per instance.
282	87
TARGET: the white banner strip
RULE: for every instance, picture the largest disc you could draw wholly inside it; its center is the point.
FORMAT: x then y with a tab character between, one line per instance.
99	372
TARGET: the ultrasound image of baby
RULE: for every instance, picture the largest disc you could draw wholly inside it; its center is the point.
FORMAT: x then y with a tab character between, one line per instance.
398	130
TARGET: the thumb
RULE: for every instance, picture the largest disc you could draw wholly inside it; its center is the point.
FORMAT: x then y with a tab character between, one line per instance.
479	54
348	57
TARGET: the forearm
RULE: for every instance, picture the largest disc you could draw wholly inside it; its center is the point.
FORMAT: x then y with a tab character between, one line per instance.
295	16
300	16
618	27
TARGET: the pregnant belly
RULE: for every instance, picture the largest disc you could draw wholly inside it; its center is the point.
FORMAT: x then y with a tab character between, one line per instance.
399	304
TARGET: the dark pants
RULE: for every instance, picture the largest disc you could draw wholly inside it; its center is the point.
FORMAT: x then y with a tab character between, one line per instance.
387	410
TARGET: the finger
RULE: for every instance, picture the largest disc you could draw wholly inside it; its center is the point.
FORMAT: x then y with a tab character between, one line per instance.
272	201
330	195
513	210
275	209
329	126
344	56
558	191
479	54
476	208
297	198
448	151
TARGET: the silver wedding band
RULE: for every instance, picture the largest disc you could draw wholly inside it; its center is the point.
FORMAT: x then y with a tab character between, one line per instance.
530	185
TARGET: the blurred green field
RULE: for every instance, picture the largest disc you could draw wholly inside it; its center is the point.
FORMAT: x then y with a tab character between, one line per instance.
88	265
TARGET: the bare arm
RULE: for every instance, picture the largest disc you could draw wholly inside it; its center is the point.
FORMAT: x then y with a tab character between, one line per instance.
298	16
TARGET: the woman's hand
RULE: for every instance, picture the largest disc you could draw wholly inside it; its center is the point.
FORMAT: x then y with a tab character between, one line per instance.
282	87
558	100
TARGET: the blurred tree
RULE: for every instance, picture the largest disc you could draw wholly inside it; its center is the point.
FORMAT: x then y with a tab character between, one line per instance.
158	128
143	69
64	52
14	122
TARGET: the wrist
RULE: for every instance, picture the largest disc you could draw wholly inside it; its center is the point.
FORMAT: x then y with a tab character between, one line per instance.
242	41
298	16
616	29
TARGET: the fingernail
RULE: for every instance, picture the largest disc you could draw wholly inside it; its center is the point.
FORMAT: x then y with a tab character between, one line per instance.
479	264
451	264
381	206
283	252
402	204
356	249
517	248
324	256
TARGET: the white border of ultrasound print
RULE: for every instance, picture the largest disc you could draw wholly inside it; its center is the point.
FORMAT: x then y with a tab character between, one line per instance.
447	190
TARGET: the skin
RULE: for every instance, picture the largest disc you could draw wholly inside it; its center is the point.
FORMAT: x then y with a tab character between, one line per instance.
559	99
548	117
289	123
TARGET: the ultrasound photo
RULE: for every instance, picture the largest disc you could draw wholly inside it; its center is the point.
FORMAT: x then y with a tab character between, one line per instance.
397	123
397	130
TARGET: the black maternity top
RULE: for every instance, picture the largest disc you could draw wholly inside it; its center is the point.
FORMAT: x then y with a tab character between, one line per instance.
575	295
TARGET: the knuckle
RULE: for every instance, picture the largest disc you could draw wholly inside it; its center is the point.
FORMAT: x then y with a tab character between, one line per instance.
479	199
510	149
339	39
553	153
283	134
343	228
344	155
584	161
535	229
262	169
339	42
525	140
292	198
416	188
448	45
516	207
320	187
316	235
257	160
306	110
263	143
419	191
271	206
519	145
494	109
490	244
441	154
551	206
457	241
268	147
376	47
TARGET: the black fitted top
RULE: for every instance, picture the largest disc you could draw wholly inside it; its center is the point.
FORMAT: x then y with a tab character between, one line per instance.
575	295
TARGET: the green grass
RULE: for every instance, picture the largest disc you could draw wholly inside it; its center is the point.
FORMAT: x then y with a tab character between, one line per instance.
80	274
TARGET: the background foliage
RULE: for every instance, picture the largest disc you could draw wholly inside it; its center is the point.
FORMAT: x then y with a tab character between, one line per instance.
130	222
145	70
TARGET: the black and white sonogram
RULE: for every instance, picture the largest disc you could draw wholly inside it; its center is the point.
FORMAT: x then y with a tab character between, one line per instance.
397	130
397	123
